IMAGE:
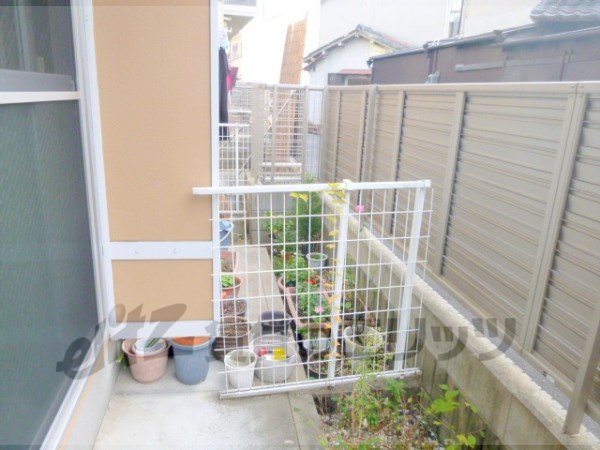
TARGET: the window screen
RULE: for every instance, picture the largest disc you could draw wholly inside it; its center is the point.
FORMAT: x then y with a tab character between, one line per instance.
47	297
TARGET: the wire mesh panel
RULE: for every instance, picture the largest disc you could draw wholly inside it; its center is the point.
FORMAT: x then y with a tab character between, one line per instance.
234	163
240	105
292	129
314	290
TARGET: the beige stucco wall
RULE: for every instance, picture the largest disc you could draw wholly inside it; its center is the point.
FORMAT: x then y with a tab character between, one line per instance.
153	59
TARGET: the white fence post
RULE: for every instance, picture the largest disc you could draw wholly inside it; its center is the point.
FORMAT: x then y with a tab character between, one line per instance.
304	132
257	131
340	272
403	322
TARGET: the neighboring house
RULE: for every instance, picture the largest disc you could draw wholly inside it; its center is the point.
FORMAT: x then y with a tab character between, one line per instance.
338	60
477	16
258	48
237	13
561	45
407	21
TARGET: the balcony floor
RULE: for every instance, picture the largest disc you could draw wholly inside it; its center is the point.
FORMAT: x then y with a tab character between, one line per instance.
168	414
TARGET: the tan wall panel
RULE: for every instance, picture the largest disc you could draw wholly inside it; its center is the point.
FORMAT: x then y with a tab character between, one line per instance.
159	284
154	77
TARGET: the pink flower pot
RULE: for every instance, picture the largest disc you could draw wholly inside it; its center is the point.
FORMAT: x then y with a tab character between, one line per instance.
145	369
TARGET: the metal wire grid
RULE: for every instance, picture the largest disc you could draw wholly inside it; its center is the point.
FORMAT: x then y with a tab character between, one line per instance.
240	106
281	160
234	163
292	133
310	323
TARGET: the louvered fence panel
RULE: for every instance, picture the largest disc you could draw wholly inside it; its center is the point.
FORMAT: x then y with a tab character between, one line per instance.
574	285
508	148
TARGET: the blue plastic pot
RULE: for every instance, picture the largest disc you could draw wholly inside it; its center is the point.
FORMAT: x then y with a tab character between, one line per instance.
191	361
225	231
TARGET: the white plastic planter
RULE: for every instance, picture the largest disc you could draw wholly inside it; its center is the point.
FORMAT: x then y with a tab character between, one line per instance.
239	366
316	260
317	345
353	349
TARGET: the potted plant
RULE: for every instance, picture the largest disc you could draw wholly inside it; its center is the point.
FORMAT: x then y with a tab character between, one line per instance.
233	307
239	367
150	364
318	365
308	304
276	357
274	322
233	334
316	260
291	270
191	358
229	261
361	340
230	285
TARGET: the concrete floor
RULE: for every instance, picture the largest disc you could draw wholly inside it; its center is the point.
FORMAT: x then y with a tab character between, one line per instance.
170	415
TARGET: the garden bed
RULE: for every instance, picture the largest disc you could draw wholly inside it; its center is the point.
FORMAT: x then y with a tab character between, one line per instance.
394	417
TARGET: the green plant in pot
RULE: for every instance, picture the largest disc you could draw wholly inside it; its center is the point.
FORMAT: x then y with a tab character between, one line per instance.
291	268
311	303
230	285
308	206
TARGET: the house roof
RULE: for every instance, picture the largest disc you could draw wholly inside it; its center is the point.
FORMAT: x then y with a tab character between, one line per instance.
355	72
489	37
566	11
361	31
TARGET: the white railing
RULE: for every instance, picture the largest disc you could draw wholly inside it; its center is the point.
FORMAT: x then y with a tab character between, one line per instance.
305	267
285	129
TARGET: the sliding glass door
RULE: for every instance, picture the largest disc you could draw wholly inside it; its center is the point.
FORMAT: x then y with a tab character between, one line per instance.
47	291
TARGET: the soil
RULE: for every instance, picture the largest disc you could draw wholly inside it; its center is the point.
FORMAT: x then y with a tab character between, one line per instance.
235	329
226	264
413	433
234	307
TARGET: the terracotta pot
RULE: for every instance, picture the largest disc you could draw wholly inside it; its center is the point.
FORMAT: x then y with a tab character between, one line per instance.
280	284
231	292
233	257
145	369
233	334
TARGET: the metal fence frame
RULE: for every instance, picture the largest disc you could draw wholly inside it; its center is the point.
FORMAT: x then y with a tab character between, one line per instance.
353	228
358	122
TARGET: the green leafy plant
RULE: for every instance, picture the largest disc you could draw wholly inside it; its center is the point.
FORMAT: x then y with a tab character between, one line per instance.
293	267
395	417
228	281
311	302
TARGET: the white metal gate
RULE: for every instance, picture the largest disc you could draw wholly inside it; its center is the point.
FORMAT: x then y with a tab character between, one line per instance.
317	283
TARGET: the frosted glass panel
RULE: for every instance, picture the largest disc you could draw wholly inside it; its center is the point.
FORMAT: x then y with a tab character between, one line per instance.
36	46
47	298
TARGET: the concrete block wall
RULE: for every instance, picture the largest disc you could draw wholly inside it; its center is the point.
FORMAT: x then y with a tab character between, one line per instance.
517	411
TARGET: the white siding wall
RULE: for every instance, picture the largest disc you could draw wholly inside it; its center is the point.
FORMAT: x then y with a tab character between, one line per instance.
482	16
409	21
353	55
